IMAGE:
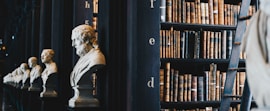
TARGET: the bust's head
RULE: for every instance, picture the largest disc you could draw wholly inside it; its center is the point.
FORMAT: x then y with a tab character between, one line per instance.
47	55
23	66
32	62
83	39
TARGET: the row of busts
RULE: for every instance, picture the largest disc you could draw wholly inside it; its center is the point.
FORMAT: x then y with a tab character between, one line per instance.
32	77
84	40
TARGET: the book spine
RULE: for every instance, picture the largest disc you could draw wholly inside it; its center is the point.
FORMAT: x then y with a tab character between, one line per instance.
200	88
162	10
168	10
210	11
194	88
215	11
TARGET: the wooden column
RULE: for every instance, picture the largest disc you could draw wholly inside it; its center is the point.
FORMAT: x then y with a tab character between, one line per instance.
45	25
129	31
35	28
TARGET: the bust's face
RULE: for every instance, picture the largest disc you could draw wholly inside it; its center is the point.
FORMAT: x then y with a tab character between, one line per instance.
78	43
31	63
45	56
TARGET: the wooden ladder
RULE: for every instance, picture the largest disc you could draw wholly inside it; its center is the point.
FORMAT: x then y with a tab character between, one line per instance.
233	64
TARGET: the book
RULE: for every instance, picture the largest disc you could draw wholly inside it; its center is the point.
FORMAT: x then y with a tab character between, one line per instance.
210	11
168	10
200	88
215	11
161	84
194	93
162	10
221	12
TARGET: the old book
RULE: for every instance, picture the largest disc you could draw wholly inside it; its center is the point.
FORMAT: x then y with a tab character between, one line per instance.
212	45
219	45
218	97
188	12
223	44
204	45
183	11
229	43
168	10
242	79
212	81
215	11
185	93
222	82
161	84
194	92
221	12
183	44
181	88
192	13
197	44
163	10
207	20
179	11
203	13
216	42
198	11
189	83
210	11
167	82
175	85
200	88
206	79
171	84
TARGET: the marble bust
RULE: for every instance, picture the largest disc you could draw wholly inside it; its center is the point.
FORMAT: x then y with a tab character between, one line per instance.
35	74
25	78
49	74
84	41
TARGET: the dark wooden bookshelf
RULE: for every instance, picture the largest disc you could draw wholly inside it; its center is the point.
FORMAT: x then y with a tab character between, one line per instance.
187	26
198	104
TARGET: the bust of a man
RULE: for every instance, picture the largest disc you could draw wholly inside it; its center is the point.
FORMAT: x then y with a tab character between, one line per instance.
84	41
26	76
49	74
35	74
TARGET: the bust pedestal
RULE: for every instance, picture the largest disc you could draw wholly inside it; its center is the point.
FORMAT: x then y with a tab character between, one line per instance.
49	95
83	97
50	87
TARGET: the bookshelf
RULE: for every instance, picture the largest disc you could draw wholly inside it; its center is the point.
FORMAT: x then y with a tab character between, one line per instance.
196	39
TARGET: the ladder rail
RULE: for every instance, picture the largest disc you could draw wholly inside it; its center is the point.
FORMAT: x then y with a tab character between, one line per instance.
234	58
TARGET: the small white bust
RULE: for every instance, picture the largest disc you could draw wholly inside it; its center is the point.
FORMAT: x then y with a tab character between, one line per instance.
25	71
50	72
35	69
47	59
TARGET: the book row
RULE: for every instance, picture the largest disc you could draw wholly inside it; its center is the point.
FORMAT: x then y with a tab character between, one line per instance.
198	12
208	86
196	44
234	108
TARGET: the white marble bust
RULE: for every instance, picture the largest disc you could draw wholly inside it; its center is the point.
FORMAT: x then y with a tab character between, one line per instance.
35	72
50	68
84	41
26	74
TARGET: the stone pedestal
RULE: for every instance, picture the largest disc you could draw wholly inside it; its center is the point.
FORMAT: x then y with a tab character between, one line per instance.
83	92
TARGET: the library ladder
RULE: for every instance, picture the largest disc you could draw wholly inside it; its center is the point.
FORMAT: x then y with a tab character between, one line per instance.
233	64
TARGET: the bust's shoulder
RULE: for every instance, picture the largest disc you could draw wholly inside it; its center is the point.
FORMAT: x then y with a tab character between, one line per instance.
97	57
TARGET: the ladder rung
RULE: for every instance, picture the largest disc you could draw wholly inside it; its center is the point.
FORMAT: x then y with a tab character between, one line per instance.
232	96
244	17
240	68
237	43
